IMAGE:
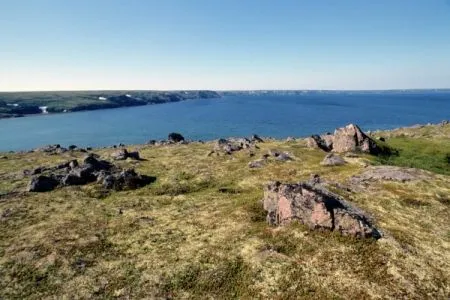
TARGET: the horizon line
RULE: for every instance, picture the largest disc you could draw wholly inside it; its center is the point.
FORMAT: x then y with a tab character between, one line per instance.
230	90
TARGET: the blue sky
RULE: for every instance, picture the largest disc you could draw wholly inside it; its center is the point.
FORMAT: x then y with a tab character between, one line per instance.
224	44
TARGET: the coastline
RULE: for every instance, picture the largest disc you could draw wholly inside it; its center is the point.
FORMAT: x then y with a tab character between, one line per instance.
25	104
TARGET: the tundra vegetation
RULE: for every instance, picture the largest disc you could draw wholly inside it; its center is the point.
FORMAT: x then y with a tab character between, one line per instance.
200	231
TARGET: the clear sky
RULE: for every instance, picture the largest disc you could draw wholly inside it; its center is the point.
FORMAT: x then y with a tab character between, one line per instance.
224	44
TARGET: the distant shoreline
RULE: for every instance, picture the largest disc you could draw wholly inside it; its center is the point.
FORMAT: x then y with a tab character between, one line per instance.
23	104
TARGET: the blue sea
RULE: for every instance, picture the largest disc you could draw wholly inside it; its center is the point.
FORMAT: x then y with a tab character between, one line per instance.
277	116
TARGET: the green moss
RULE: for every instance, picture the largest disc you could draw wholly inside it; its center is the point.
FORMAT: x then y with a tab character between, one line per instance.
427	154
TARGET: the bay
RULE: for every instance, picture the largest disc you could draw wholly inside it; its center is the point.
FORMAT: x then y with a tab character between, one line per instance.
206	119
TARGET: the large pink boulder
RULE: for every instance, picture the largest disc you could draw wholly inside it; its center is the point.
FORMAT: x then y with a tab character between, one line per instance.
317	208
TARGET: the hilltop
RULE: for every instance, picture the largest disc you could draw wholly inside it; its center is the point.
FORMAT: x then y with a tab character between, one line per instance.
200	229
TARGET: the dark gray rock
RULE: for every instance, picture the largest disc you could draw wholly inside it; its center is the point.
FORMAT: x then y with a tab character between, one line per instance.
37	171
175	137
134	155
126	180
85	173
97	164
42	183
73	179
256	139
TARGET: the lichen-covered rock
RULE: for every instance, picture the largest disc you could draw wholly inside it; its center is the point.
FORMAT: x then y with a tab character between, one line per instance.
346	139
351	138
317	208
390	173
332	159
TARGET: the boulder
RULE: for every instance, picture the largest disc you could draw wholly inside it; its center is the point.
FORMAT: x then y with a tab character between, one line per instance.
316	208
134	155
315	141
98	165
74	179
72	147
126	180
37	171
84	174
346	139
230	145
121	154
278	155
274	152
175	137
256	139
327	141
259	163
42	183
73	164
283	156
351	139
332	159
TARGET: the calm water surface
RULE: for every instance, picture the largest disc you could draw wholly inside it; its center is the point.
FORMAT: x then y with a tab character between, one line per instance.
206	119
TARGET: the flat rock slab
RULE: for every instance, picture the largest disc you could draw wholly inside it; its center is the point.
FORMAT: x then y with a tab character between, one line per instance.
390	173
317	208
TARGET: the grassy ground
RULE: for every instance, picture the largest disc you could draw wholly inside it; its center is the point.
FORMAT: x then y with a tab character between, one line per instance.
426	148
200	232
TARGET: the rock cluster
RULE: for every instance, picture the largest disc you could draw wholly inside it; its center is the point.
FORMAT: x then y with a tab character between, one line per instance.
123	154
317	208
57	149
228	146
272	154
346	139
91	170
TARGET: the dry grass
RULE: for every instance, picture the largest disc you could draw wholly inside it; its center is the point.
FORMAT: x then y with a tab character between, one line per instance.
199	232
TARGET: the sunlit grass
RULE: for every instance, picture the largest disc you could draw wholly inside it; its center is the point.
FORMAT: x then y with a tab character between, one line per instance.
199	231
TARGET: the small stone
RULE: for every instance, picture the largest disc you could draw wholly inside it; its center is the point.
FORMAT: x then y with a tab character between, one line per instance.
256	164
332	159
